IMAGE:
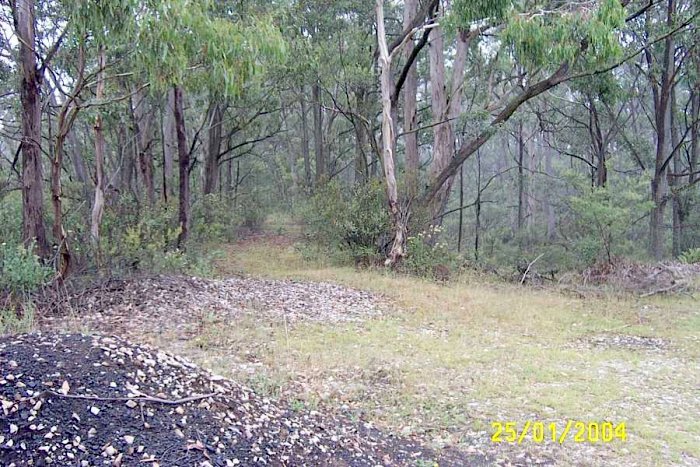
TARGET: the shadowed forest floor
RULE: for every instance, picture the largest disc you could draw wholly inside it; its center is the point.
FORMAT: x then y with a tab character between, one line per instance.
435	362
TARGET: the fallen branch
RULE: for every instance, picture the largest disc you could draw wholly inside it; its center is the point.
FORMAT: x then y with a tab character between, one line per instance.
144	398
522	281
660	291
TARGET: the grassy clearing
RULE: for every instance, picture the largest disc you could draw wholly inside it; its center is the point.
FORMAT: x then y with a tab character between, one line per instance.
452	359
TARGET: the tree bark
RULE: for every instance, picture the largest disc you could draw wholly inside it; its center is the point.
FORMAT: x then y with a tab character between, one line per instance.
99	200
30	97
399	221
321	174
361	137
305	147
184	165
662	93
410	107
211	163
169	144
141	118
445	108
521	181
66	119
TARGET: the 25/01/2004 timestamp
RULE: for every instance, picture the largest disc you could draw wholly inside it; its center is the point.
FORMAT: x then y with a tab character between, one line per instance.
577	431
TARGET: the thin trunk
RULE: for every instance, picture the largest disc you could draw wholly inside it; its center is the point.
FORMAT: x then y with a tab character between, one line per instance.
169	144
551	214
675	182
184	166
305	148
521	182
662	93
141	119
399	221
461	211
211	162
361	138
99	201
321	174
477	208
410	91
30	97
598	144
66	118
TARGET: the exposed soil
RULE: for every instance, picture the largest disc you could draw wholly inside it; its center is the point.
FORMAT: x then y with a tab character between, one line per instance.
71	399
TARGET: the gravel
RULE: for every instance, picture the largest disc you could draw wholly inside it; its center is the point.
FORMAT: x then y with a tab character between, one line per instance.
72	399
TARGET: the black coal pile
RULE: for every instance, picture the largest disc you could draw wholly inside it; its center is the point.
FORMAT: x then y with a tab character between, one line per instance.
77	400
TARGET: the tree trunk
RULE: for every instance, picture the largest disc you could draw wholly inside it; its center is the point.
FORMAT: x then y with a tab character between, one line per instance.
521	182
211	163
66	118
551	213
361	138
99	201
477	208
598	144
445	108
675	182
399	221
30	97
321	174
305	148
169	144
662	93
184	165
410	91
461	210
141	118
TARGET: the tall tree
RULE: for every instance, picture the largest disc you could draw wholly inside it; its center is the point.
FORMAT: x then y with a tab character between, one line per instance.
30	96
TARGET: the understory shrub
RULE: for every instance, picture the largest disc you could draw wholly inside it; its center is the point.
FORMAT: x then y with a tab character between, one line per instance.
691	256
357	226
20	269
603	216
426	255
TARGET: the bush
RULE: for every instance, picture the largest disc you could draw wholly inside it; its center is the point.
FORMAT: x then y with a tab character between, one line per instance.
691	256
603	217
13	321
148	243
426	256
20	269
213	219
357	226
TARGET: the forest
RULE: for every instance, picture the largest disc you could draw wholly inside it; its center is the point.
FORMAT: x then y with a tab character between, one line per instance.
517	170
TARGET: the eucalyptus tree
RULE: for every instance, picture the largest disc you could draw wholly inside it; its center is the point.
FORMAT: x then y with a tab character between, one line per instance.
195	47
534	48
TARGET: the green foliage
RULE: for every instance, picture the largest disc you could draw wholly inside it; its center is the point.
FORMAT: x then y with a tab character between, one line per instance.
213	219
20	269
691	256
143	241
603	215
465	12
354	224
13	321
195	47
11	218
425	252
548	38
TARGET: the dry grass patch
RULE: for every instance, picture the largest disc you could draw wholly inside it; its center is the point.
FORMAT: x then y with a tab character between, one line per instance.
453	358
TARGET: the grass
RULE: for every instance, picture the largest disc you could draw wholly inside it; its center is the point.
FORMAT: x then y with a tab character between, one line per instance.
12	321
452	359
